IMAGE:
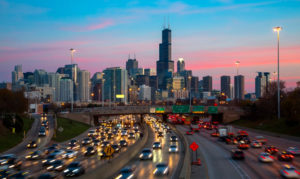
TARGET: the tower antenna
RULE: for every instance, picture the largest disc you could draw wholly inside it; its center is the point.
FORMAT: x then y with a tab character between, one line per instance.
129	56
164	22
134	56
168	22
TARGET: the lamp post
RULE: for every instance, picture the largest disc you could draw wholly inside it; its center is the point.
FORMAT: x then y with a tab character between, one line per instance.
278	29
190	86
72	97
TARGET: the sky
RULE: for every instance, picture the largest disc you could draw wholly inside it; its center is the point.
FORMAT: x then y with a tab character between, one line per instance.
209	34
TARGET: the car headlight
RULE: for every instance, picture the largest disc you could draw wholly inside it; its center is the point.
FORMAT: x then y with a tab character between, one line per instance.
141	155
166	170
76	170
50	167
44	161
58	167
35	156
150	155
154	172
67	170
170	150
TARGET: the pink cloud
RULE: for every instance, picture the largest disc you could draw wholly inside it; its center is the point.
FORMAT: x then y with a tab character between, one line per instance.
91	27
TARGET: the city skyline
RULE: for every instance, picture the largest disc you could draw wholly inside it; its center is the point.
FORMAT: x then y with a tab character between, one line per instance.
203	47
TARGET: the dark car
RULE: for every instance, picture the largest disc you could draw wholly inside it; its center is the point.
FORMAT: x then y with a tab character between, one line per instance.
156	145
105	143
271	150
86	141
19	175
57	165
160	134
11	161
42	131
46	176
116	148
237	154
131	135
50	159
284	156
73	141
74	169
31	144
89	151
123	143
34	155
126	173
73	146
50	149
173	138
146	154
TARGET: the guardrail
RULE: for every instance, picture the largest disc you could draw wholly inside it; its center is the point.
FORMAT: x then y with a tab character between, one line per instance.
114	165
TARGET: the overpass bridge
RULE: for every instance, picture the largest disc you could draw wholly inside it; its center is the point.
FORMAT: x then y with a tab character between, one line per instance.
90	115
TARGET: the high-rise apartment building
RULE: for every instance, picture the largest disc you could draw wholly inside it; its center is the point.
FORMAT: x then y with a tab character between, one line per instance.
239	87
132	66
66	90
40	77
261	83
84	86
225	86
54	82
207	83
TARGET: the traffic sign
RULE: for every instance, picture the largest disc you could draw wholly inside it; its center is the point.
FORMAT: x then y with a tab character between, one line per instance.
109	151
198	109
212	110
180	109
160	110
194	146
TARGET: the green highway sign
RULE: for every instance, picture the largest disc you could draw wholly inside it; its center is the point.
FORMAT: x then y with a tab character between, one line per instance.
198	109
160	110
212	110
180	109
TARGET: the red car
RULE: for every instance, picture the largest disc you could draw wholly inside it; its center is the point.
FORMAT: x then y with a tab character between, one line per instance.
215	134
243	145
271	150
284	156
189	132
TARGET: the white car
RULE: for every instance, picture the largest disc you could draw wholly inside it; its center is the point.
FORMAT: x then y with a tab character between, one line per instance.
70	154
289	171
173	148
293	150
256	144
265	157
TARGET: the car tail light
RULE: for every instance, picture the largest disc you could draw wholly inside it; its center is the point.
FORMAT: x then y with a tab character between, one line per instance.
271	157
286	172
263	157
297	172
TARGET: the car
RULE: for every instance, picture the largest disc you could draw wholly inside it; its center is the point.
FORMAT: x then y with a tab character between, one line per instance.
215	134
284	156
265	157
70	154
160	134
156	145
237	154
42	132
123	133
73	141
271	150
34	155
5	173
47	176
261	139
243	145
110	136
91	133
86	141
293	150
19	175
173	148
73	146
136	131
123	143
96	142
189	132
50	159
146	154
116	148
11	161
57	165
173	138
74	169
89	151
105	143
161	169
45	124
58	152
256	144
289	171
126	173
131	135
31	144
50	149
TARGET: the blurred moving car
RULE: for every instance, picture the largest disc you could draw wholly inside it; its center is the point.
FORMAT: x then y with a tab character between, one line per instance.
34	155
261	139
47	176
243	145
173	138
161	169
123	143
256	144
189	132
215	134
173	148
237	154
289	171
70	154
293	150
42	132
11	161
271	150
284	156
89	151
265	157
126	173
146	154
57	165
74	169
86	141
31	144
156	145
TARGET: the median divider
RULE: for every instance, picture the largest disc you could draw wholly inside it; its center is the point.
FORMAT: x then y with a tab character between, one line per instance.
184	171
111	167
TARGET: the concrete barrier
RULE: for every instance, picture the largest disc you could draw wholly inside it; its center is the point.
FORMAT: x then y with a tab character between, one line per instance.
80	117
110	168
185	170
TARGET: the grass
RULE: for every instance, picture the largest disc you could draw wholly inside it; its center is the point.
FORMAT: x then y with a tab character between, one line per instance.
9	140
275	126
71	129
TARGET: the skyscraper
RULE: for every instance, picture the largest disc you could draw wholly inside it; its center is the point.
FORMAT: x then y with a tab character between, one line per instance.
225	86
132	66
40	77
84	86
17	74
180	65
207	83
54	82
165	65
116	83
239	87
66	90
261	83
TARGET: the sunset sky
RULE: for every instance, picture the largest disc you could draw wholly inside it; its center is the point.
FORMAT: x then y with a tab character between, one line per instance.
209	34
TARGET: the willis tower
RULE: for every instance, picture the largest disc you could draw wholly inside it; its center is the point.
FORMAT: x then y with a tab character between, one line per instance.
165	66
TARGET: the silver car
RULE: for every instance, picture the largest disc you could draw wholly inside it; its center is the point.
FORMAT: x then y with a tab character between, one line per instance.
289	171
293	150
265	157
70	154
146	154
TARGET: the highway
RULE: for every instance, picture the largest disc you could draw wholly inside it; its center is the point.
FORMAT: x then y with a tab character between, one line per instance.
145	168
218	163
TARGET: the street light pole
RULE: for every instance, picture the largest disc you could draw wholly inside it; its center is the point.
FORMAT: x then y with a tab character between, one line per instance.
72	97
278	29
190	84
